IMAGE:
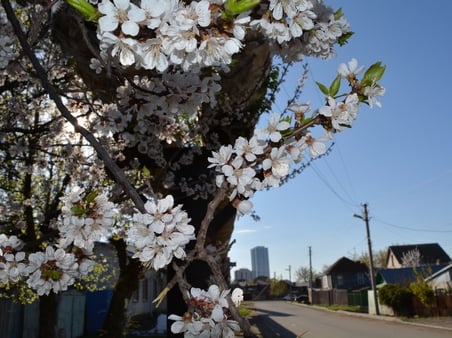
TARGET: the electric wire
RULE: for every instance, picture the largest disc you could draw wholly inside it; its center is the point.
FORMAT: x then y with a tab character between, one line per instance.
411	229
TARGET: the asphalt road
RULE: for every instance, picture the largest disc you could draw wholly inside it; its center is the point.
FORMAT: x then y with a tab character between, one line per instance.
280	319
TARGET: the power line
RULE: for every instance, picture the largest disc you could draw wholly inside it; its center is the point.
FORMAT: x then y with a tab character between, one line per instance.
410	229
330	187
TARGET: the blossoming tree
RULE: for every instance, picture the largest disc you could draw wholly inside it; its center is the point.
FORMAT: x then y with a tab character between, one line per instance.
135	122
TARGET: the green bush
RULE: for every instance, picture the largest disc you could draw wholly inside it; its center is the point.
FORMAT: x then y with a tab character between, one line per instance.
422	290
398	297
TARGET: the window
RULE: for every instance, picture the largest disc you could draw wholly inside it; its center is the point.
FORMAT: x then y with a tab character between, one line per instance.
340	280
360	278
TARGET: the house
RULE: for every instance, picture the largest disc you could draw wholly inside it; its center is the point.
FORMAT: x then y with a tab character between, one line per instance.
441	280
405	276
346	274
429	254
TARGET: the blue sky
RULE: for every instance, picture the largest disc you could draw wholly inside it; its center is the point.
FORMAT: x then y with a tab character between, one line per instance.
398	159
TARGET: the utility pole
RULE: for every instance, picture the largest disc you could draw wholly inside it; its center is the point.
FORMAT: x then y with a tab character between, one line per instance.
365	217
310	268
290	274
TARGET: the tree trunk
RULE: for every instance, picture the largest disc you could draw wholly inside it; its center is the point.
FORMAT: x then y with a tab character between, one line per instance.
129	273
48	316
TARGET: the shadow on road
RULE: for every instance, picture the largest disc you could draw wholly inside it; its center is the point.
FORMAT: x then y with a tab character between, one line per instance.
268	328
274	313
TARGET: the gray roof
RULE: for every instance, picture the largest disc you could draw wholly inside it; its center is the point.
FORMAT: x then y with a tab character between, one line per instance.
406	275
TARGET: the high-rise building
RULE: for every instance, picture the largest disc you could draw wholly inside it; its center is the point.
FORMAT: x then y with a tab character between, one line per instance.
259	262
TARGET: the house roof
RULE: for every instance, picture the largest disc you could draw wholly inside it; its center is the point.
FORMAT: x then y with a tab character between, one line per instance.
431	253
439	272
345	264
406	275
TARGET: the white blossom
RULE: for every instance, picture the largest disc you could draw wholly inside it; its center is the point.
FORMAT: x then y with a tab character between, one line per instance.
160	234
84	223
273	129
349	69
342	114
249	150
237	296
52	270
120	13
372	92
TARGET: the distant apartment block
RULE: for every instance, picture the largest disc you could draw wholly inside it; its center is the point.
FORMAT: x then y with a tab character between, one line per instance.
243	275
259	262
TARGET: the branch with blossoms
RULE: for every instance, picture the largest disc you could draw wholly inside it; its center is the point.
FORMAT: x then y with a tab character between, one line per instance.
189	39
264	160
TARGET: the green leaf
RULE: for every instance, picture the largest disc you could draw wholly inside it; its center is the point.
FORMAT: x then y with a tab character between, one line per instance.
91	196
86	9
335	85
236	7
323	88
338	14
78	211
373	74
343	39
146	172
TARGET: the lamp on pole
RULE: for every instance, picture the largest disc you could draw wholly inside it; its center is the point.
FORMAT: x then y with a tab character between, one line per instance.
365	218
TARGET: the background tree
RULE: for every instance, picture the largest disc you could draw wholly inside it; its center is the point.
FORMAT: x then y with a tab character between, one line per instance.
411	258
379	257
303	275
278	288
165	96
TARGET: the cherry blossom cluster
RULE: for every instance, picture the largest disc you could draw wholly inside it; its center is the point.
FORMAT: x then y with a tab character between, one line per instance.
160	234
55	270
12	260
85	220
51	270
155	238
157	34
208	315
162	108
265	159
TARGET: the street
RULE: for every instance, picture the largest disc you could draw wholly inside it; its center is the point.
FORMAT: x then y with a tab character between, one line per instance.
289	320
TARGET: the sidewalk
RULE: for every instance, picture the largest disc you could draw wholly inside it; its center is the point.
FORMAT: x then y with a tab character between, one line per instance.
436	322
433	322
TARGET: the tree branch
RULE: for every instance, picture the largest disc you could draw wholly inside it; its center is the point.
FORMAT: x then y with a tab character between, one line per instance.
117	173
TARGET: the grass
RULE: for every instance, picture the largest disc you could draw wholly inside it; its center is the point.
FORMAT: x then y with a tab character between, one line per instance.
349	308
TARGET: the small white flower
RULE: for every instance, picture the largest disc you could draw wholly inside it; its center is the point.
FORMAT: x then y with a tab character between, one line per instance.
273	129
237	296
125	47
120	12
52	270
96	65
342	114
221	157
278	162
349	69
153	10
249	149
244	207
372	92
